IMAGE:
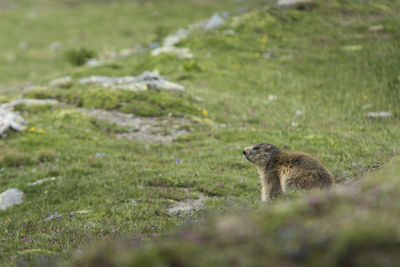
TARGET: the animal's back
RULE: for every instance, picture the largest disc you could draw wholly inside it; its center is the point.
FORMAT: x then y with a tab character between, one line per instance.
302	171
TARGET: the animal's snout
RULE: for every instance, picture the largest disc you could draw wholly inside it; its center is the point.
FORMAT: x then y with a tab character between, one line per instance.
246	152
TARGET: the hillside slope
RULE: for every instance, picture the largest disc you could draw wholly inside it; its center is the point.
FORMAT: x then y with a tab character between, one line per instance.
126	160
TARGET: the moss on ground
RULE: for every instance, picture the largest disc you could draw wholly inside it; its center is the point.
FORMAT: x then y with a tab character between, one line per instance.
148	104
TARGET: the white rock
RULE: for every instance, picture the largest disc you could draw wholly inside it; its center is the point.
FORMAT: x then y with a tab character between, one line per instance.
11	197
56	46
367	106
41	181
127	52
229	32
174	38
299	113
214	22
10	120
23	45
272	98
289	3
182	53
381	114
169	42
147	80
28	102
59	82
188	206
94	62
375	28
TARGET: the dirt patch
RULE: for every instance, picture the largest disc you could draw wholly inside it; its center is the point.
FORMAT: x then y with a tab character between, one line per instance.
188	206
143	129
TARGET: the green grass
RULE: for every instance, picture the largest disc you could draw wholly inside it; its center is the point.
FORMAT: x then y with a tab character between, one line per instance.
354	225
99	26
310	68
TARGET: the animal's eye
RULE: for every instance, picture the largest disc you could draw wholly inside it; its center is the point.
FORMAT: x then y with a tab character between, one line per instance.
256	147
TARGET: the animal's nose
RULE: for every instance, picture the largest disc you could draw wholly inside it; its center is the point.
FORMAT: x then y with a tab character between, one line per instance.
244	152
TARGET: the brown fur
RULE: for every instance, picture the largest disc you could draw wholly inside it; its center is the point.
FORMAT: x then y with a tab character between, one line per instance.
281	172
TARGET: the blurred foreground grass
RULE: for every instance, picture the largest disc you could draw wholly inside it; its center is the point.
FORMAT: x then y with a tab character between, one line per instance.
352	225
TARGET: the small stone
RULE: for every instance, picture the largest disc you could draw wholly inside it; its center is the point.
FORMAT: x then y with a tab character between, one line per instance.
10	121
23	45
367	106
154	45
41	181
11	197
381	114
127	52
291	3
267	55
182	53
61	82
146	81
272	98
375	28
94	62
214	22
27	102
174	38
56	46
229	32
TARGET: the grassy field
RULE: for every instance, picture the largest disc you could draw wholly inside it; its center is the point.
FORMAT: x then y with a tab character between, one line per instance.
303	80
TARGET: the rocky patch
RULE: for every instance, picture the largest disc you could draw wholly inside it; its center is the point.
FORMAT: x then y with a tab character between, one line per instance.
143	129
146	81
188	206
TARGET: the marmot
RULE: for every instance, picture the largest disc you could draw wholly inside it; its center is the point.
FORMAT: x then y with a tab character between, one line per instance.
280	171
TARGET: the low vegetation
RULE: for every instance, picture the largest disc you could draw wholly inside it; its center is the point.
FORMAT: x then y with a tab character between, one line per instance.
302	79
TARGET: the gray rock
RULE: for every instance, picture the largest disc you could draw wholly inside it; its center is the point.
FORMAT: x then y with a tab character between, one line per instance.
44	180
214	22
182	53
23	45
381	114
61	82
94	62
174	38
10	121
169	43
56	46
229	32
142	129
376	28
28	102
290	3
146	81
127	52
188	206
11	197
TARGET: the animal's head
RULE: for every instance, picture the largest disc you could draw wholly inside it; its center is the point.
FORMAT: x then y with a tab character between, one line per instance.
261	155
